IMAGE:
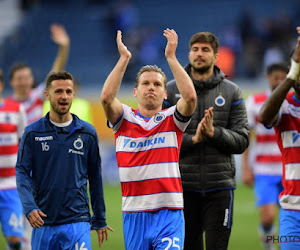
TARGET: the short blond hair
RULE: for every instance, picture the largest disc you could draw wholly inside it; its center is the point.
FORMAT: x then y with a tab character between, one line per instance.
150	68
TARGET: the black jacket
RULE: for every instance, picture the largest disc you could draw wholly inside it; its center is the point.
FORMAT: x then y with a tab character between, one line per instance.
209	165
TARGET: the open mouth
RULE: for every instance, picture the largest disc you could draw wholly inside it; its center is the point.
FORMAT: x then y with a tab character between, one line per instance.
63	104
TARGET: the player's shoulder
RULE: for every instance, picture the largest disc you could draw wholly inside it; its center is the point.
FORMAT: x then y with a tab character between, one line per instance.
37	126
225	83
289	96
11	105
127	110
85	126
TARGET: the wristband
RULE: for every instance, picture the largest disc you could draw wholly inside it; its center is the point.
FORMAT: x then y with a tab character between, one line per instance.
294	71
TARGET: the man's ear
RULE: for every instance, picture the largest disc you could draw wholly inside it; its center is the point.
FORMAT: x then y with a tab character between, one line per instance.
134	92
216	57
1	85
46	94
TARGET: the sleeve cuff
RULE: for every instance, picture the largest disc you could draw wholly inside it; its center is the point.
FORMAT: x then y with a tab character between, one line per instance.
28	214
217	134
98	225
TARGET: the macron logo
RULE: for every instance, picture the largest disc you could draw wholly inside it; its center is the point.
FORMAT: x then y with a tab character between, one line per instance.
43	138
143	143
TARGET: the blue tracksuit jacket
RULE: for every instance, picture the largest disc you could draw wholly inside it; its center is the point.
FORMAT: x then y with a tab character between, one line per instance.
52	174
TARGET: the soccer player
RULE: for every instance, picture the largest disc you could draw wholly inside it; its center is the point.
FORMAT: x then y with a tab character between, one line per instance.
21	78
12	124
262	161
57	157
282	110
148	141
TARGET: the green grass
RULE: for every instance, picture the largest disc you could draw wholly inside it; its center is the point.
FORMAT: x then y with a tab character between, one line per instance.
245	222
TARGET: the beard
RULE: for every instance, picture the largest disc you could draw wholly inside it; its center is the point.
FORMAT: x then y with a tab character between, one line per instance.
202	70
58	111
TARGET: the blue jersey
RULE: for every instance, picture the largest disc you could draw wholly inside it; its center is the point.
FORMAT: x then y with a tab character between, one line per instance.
52	173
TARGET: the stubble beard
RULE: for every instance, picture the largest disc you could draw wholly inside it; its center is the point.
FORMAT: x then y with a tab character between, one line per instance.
57	111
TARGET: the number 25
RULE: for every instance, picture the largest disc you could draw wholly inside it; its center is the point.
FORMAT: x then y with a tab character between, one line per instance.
170	242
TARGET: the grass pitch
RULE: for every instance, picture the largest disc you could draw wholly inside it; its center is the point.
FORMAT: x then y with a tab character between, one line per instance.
244	234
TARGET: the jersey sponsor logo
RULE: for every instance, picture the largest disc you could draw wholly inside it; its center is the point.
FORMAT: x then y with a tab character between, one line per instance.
143	143
155	141
5	139
220	100
75	152
7	118
290	139
159	118
293	110
43	138
295	136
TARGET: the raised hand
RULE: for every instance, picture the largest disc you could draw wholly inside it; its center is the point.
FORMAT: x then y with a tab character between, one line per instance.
296	54
199	136
121	47
205	127
171	46
59	35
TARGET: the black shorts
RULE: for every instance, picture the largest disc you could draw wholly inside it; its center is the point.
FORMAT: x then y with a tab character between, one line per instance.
211	213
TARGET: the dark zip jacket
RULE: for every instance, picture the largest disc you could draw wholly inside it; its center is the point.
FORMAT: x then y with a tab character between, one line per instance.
209	165
52	174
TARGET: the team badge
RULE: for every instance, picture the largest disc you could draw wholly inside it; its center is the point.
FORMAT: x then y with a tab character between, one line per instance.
78	143
220	100
158	118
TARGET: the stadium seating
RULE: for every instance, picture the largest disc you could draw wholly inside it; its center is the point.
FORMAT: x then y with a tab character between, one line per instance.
93	49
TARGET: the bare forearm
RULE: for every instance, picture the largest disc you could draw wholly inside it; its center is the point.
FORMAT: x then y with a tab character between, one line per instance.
271	107
183	80
113	82
61	58
245	160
